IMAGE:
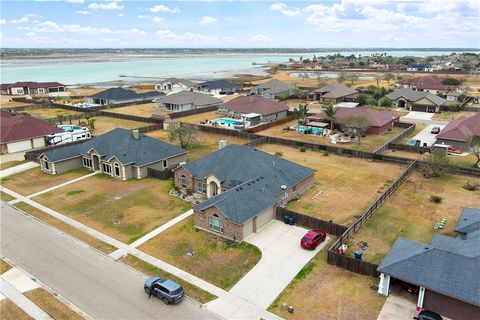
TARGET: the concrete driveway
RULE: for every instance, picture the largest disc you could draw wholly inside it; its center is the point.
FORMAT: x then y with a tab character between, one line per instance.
417	115
282	258
425	136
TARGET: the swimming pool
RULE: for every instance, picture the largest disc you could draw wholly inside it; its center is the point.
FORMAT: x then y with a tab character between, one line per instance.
324	75
228	122
303	128
85	105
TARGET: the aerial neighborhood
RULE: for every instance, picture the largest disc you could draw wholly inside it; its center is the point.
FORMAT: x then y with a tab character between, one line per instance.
347	186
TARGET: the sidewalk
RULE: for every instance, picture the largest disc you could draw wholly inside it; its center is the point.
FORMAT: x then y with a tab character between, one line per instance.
17	169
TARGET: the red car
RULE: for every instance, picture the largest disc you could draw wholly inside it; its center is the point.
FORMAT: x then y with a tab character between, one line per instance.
312	239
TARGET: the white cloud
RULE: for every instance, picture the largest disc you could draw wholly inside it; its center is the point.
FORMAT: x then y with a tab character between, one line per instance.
51	26
24	19
171	37
143	17
158	20
2	21
48	26
285	10
166	34
75	1
207	20
260	38
83	12
106	6
164	8
120	14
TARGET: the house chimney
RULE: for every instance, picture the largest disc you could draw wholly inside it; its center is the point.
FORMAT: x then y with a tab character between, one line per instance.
136	134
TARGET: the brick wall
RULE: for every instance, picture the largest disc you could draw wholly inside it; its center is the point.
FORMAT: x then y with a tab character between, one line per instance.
201	219
177	176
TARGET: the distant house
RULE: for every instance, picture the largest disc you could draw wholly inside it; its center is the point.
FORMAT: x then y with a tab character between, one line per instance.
453	96
120	153
175	85
272	88
416	100
446	269
218	86
243	186
270	110
114	96
430	84
333	93
187	100
459	131
379	122
31	88
21	132
420	67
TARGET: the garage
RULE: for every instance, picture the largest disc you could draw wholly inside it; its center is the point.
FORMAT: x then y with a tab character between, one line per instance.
264	217
39	142
19	146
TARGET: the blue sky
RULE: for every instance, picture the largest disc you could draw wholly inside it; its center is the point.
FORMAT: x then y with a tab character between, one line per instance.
245	24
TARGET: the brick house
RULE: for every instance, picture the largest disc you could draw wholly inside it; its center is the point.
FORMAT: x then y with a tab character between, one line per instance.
430	84
243	187
31	88
267	109
458	132
333	93
412	100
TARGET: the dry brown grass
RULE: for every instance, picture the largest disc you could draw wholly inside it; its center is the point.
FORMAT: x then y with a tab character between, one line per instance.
338	178
206	142
125	210
200	117
322	291
34	180
5	197
215	260
10	311
105	124
51	113
411	214
141	110
4	266
448	115
10	164
6	103
51	305
74	232
418	127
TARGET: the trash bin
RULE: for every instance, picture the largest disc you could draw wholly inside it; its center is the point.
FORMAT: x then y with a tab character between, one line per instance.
291	221
358	255
285	218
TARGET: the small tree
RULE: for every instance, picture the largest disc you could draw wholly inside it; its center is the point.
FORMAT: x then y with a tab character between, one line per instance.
389	76
435	164
90	122
184	133
300	112
341	78
386	103
353	77
362	99
330	113
360	124
451	82
474	145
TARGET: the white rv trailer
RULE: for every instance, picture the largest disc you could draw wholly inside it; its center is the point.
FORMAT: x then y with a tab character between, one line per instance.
67	137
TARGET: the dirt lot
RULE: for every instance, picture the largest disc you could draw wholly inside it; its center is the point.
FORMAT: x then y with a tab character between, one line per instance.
105	124
206	142
50	113
5	102
447	115
216	261
368	143
197	118
336	179
34	180
411	214
125	210
321	291
51	305
141	110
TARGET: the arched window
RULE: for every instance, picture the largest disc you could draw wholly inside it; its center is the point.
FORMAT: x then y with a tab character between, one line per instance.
183	182
117	169
216	224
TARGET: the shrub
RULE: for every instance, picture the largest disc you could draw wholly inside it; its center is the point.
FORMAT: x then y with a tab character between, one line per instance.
451	82
278	154
471	186
325	154
303	149
436	199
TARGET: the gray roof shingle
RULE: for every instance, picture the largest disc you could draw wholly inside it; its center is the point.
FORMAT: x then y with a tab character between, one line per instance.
273	86
119	143
335	91
220	84
118	94
413	96
469	220
188	97
253	176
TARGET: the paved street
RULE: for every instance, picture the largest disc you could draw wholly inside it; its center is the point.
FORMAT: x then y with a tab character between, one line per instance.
101	287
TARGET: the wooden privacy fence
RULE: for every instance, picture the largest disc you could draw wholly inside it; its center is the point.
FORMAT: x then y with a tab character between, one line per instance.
311	222
353	265
127	117
180	114
408	148
160	174
267	125
34	154
153	127
344	261
409	128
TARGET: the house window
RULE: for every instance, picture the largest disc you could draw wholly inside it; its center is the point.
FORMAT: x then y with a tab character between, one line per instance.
87	162
216	224
164	163
183	182
107	168
201	187
117	169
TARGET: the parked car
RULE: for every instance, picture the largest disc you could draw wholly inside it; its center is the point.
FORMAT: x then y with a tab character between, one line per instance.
312	239
222	92
428	315
167	290
435	130
452	149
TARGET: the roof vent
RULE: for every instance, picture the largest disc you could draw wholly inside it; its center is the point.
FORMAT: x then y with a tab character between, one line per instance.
283	187
136	134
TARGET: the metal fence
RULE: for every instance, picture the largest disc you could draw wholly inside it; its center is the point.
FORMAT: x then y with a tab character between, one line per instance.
311	222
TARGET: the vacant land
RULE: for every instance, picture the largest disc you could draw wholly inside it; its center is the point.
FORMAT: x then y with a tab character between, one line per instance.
448	115
10	311
34	180
216	261
410	213
322	291
60	225
192	291
5	102
206	142
141	110
51	305
337	179
368	143
10	164
105	124
456	160
200	117
125	210
52	113
4	266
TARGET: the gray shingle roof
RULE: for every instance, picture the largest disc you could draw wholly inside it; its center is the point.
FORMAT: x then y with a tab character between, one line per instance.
119	143
124	94
335	90
469	221
412	95
273	86
220	84
185	82
188	97
253	176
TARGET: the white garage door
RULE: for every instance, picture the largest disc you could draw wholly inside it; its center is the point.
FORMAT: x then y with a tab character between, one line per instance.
247	228
38	142
265	217
19	146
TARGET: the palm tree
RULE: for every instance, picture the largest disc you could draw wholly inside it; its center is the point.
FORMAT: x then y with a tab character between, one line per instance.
90	122
330	113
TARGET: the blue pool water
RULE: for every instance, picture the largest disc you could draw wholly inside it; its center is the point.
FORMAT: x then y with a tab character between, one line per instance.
228	121
303	128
